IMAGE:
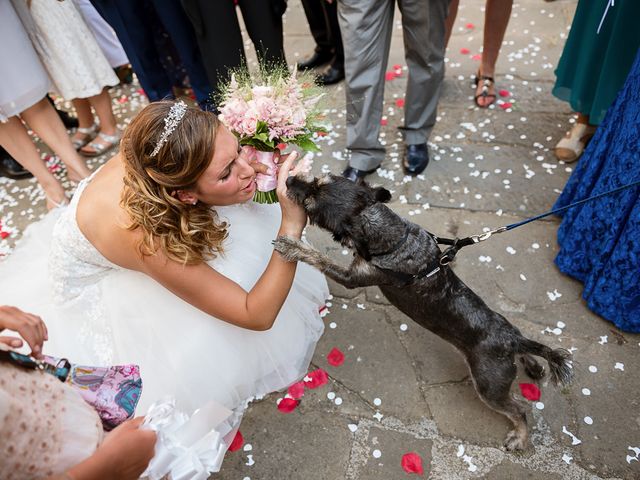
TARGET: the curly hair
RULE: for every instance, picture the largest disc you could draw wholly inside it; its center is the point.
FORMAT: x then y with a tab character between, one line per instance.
186	233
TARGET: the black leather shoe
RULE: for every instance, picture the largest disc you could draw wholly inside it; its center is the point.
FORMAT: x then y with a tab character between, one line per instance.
416	159
10	168
356	175
331	75
318	59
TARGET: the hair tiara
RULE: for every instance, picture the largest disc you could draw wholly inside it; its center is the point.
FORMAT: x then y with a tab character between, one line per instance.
171	121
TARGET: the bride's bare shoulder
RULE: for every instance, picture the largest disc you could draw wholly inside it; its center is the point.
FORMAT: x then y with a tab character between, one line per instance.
101	218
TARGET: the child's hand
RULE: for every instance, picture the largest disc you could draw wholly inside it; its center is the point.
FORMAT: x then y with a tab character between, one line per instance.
30	327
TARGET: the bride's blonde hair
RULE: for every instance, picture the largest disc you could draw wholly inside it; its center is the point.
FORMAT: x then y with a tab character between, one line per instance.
185	233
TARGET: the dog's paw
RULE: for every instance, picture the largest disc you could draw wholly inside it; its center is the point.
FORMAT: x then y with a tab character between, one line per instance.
515	441
291	250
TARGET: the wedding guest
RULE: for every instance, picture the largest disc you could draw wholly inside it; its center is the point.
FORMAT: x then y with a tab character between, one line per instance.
135	273
366	27
23	90
78	68
218	32
322	17
147	56
59	435
107	40
599	239
496	19
595	61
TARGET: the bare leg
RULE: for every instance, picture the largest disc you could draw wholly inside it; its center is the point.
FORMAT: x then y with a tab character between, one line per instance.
496	19
101	103
85	131
16	140
44	120
451	19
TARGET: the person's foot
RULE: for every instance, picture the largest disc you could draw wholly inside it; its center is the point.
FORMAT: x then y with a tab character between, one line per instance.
485	90
12	169
319	58
356	175
124	74
331	75
101	144
84	135
571	146
416	159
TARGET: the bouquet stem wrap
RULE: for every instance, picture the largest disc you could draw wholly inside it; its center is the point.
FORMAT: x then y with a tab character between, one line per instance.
266	183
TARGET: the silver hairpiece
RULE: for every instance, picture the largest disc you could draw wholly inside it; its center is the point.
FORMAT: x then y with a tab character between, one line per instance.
171	121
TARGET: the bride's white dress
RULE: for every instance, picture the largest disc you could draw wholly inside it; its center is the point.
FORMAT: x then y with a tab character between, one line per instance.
100	314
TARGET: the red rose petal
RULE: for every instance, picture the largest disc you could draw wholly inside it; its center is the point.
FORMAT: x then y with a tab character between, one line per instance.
237	442
383	122
504	93
141	91
4	235
506	105
412	463
465	51
397	67
296	390
288	405
477	56
469	26
389	76
530	391
317	378
400	102
335	357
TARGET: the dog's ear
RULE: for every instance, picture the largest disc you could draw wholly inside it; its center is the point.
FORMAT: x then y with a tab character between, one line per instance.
381	194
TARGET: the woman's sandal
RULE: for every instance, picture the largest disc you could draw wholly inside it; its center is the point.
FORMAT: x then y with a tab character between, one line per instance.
571	146
108	142
487	82
89	133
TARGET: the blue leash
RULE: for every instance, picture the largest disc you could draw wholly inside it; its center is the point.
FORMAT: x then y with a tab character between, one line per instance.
457	243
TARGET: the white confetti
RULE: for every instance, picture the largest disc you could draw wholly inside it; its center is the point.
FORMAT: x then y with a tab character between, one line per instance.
556	331
540	405
378	416
535	246
588	420
586	392
553	296
333	325
377	402
593	368
631	458
248	447
522	277
567	458
561	325
619	366
331	395
603	339
377	453
352	427
574	440
460	451
360	306
338	401
403	327
249	460
511	250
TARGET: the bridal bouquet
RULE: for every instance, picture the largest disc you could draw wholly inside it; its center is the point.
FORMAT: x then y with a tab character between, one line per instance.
268	109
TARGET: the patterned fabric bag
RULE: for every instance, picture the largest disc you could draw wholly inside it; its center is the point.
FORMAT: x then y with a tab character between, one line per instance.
113	391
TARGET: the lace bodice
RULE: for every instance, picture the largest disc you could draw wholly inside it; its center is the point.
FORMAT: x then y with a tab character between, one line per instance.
74	263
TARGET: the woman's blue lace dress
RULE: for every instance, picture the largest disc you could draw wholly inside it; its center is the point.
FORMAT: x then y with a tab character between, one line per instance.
600	240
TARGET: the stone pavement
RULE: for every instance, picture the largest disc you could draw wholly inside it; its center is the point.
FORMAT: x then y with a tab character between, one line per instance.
401	389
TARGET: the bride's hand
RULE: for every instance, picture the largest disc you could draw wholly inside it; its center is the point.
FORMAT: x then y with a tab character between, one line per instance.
294	217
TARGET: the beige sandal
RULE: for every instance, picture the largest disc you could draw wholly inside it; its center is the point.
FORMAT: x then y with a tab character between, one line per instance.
89	133
574	142
109	141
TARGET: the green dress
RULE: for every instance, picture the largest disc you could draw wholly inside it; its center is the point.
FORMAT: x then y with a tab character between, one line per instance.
594	66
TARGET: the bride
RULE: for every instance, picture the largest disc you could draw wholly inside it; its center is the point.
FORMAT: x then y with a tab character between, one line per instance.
162	260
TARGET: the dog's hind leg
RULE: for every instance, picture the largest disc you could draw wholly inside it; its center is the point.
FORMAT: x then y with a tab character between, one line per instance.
493	378
532	367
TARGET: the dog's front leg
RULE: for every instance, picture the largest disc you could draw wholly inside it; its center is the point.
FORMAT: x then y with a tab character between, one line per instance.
358	274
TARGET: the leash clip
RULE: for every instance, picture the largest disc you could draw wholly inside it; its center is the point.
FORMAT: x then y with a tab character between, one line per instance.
486	235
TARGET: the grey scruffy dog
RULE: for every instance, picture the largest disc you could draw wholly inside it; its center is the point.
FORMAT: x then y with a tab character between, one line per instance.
391	252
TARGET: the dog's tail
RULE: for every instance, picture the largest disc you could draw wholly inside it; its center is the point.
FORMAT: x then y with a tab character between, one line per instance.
560	364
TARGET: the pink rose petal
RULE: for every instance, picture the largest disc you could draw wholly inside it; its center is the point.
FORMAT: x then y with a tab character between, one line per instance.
530	391
506	105
288	405
504	93
335	357
296	390
465	51
412	463
317	378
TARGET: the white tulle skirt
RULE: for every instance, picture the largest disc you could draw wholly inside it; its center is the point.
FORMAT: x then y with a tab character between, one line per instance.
198	361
